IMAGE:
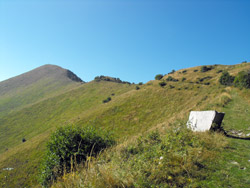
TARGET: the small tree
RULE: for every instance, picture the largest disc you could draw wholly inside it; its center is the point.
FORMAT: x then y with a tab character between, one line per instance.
158	76
226	79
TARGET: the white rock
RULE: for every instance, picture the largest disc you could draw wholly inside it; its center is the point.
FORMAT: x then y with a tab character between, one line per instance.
9	169
202	120
234	162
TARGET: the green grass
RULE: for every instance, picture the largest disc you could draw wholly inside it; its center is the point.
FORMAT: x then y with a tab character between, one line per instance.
129	114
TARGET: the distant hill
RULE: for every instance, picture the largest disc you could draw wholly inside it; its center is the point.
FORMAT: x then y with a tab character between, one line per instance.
35	85
33	108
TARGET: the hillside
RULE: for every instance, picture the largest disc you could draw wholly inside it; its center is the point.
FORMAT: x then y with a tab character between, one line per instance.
35	85
131	112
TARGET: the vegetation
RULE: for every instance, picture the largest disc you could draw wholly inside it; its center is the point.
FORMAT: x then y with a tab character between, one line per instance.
137	87
106	100
206	68
172	72
129	115
170	78
69	146
242	79
158	76
162	84
176	158
226	79
110	79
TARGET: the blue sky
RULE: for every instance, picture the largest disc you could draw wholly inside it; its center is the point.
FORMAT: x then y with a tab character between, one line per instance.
130	39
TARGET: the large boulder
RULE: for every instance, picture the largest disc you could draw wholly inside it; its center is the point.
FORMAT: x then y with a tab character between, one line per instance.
203	120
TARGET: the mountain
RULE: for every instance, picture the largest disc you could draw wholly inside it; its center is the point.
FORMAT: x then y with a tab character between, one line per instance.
35	85
133	110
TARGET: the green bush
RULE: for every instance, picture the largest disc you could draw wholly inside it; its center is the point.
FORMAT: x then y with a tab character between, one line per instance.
137	87
69	146
158	76
140	83
173	71
242	79
226	79
162	84
106	100
206	68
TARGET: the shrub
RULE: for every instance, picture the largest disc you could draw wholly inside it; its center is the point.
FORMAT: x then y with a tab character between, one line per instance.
183	79
173	71
158	76
170	78
184	71
137	87
205	68
106	100
242	79
23	140
171	87
162	84
195	70
69	146
226	79
140	83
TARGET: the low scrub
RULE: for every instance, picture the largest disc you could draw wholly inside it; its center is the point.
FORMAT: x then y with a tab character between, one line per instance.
158	76
178	158
162	84
69	146
242	79
107	100
226	79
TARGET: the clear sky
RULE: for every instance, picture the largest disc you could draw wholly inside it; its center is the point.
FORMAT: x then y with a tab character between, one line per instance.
130	39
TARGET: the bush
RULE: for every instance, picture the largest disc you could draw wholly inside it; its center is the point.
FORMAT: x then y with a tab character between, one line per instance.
242	79
226	79
140	83
205	68
183	79
158	76
162	84
137	87
106	100
170	78
173	71
69	146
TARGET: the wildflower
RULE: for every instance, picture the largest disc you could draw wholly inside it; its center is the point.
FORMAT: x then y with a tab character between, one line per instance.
161	158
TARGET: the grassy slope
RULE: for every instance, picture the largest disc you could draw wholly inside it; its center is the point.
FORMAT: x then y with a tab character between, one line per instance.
33	86
129	113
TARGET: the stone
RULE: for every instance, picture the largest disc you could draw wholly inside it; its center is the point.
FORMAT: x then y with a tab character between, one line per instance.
200	121
235	163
